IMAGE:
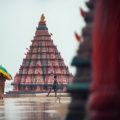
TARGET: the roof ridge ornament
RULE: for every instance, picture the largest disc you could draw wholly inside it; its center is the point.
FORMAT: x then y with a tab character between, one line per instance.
42	18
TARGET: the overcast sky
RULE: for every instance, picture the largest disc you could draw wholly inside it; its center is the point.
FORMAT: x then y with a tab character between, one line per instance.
18	22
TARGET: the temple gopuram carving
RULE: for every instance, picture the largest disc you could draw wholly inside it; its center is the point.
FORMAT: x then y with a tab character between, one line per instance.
42	62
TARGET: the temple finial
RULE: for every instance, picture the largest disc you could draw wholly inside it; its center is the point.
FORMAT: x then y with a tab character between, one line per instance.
42	18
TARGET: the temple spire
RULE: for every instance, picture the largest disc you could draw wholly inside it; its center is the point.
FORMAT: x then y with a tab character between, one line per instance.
42	19
41	63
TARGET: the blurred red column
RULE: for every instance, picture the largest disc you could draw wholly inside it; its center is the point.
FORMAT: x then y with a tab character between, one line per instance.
104	101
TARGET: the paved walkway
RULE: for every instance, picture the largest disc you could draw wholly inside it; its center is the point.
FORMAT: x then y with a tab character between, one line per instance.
34	108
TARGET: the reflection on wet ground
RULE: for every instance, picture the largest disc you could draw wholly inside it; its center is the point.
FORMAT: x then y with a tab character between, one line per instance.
34	108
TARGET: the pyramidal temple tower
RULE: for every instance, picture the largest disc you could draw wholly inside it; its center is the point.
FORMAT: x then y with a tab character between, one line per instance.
42	62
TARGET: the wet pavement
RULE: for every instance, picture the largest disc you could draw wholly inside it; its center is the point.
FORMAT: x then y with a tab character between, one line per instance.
34	108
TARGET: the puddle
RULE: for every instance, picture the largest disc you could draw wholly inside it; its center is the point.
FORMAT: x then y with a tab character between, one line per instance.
33	108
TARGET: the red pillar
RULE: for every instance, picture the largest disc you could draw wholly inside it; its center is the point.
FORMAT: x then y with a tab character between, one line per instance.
104	101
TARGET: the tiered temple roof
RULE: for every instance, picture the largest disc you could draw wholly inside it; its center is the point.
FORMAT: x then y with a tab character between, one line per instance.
41	63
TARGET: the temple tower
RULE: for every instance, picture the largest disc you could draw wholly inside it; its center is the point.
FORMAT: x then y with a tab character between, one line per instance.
79	89
41	63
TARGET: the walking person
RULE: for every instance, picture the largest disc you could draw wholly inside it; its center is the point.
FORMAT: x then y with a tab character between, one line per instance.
55	86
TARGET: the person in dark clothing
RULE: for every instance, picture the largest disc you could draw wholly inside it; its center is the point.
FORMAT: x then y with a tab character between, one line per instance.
55	86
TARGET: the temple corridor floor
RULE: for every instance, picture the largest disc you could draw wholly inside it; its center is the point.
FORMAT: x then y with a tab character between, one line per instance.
34	108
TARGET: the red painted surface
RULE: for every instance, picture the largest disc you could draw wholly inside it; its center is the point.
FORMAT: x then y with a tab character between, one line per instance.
104	102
